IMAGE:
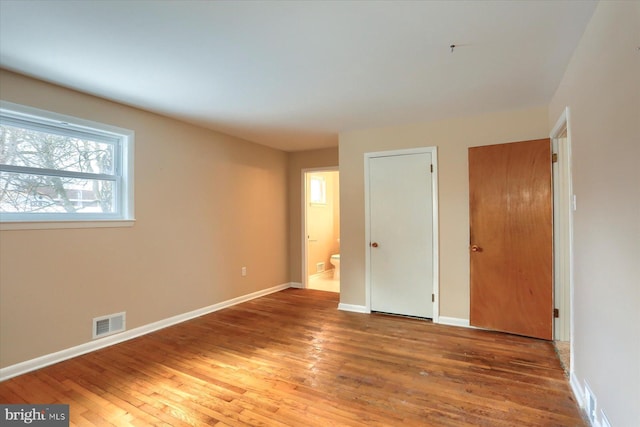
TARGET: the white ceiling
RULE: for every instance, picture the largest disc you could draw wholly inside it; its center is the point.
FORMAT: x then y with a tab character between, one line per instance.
293	74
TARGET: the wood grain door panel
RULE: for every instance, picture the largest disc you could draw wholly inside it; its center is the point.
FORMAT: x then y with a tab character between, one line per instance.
511	251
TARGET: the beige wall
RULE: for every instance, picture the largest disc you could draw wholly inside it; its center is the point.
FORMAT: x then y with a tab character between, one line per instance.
452	137
336	212
297	162
206	205
323	223
601	87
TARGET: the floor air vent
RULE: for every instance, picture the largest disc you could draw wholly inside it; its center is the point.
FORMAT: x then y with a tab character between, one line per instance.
107	325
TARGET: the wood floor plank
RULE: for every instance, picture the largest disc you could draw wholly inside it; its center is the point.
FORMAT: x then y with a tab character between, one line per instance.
293	359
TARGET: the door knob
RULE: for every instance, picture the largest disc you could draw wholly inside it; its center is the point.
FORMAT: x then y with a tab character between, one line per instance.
374	245
476	248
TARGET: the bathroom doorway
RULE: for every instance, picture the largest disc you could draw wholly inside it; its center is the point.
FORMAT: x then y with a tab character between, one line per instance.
321	213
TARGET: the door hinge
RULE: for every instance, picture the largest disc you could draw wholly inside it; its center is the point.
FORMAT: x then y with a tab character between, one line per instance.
431	168
556	313
433	297
554	158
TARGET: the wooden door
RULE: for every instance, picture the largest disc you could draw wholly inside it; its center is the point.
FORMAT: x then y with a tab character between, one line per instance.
511	247
401	231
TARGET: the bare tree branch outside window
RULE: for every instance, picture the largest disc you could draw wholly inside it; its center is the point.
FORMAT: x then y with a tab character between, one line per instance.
32	192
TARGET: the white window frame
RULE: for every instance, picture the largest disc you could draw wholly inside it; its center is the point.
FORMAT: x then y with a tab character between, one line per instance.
123	139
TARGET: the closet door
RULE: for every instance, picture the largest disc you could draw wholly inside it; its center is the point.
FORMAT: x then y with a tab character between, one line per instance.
401	234
511	247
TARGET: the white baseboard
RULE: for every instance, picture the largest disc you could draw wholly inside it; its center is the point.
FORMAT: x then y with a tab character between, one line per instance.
578	391
354	308
296	285
453	321
59	356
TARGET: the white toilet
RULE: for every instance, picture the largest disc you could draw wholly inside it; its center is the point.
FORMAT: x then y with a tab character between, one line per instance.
335	261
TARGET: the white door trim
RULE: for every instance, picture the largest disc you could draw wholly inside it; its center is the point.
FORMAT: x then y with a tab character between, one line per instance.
436	246
563	250
305	241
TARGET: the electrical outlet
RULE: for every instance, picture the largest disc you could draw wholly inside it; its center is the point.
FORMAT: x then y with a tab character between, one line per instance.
243	271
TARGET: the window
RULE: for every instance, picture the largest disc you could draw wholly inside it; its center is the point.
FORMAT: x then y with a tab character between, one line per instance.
318	190
60	168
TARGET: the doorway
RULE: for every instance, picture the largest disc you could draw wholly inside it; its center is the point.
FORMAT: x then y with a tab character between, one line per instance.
321	213
401	232
563	207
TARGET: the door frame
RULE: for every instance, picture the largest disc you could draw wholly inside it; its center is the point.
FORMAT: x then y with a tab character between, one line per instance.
563	219
305	240
367	222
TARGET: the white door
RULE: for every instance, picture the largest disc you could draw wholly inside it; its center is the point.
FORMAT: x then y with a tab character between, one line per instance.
401	234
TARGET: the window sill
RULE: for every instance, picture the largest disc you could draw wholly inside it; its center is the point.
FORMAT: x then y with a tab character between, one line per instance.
48	225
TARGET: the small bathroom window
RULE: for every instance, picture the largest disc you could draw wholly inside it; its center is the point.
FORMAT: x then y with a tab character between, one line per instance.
318	190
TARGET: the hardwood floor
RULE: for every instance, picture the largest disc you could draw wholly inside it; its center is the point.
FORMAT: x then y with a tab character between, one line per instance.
293	359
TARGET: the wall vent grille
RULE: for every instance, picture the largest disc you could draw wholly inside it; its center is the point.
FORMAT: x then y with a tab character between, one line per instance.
591	404
107	325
